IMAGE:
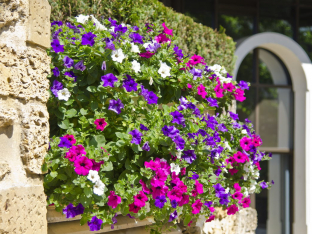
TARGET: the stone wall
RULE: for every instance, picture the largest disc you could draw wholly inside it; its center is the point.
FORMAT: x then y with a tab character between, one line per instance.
24	128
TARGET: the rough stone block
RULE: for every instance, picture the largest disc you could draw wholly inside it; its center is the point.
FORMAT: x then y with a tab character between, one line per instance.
39	23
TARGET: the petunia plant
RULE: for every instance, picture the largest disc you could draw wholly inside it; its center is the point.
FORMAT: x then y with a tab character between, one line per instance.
140	129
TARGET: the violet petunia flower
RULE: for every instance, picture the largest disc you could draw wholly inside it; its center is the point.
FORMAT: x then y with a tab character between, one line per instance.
69	211
135	28
174	204
116	106
143	127
120	28
263	185
88	39
136	136
129	84
109	44
153	47
189	156
136	38
243	85
55	35
194	176
178	118
173	216
149	96
58	23
80	66
212	102
109	80
170	131
208	203
113	22
56	87
178	52
146	146
233	115
103	67
224	199
114	220
180	142
95	224
68	62
160	201
197	73
56	46
71	74
64	143
56	72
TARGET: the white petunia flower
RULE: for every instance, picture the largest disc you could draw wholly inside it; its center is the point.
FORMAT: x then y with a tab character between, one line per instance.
111	29
175	168
226	145
164	70
82	18
118	55
145	45
63	94
178	154
93	176
98	25
246	167
245	176
223	79
136	66
256	174
227	190
151	81
216	68
98	188
244	131
134	48
252	188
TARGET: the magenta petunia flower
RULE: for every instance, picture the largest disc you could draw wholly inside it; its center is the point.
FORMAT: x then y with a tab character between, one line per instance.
146	54
228	87
158	191
256	140
189	86
197	205
79	150
167	30
140	199
201	91
232	209
237	196
245	202
83	165
175	194
96	165
144	187
113	200
198	187
240	157
245	143
195	59
219	91
161	38
185	200
71	155
237	187
71	138
233	171
212	217
100	124
239	95
133	208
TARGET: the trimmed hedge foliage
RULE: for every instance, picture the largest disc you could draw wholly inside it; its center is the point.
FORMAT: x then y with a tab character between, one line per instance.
194	38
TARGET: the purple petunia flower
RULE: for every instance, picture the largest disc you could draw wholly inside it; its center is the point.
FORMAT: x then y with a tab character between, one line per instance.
109	44
136	136
207	69
116	106
180	142
55	35
189	156
183	103
88	39
217	172
149	96
170	131
95	224
136	38
212	102
79	209
160	201
153	47
109	80
113	22
69	211
222	128
71	74
233	115
263	185
144	128
68	62
59	23
56	87
56	72
146	146
178	52
120	28
208	203
194	176
243	85
218	189
80	66
224	199
64	143
228	75
173	216
236	125
135	28
174	204
114	219
196	73
202	132
103	67
178	118
56	46
129	84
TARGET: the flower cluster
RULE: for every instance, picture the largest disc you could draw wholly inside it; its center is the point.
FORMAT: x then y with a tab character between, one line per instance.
140	130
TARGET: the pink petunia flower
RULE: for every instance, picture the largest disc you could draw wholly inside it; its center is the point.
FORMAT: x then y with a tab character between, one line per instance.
201	91
96	165
195	59
185	200
158	191
79	150
245	143
240	157
237	187
146	54
199	187
71	155
83	165
183	171
71	138
256	140
167	30
237	196
218	91
233	171
144	187
133	208
175	194
245	202
239	95
258	166
232	209
113	200
140	199
100	124
197	205
161	38
189	86
228	87
212	217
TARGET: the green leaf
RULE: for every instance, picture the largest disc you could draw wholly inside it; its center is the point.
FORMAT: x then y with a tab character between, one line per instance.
53	174
82	98
108	166
44	167
62	177
94	105
92	89
64	124
120	143
83	111
71	113
84	219
98	141
88	191
187	219
136	148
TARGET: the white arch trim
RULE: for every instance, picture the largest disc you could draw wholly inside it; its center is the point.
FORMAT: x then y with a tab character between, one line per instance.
300	69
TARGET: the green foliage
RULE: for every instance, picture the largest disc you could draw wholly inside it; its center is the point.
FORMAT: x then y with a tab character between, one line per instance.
192	38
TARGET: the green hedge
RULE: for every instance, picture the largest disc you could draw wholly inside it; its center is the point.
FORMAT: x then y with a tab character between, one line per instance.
215	47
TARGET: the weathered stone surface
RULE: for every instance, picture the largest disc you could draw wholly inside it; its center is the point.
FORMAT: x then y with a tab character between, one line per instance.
39	22
4	169
22	209
7	117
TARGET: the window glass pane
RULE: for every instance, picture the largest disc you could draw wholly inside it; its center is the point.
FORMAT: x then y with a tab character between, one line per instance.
275	117
236	26
305	30
245	70
246	109
264	74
